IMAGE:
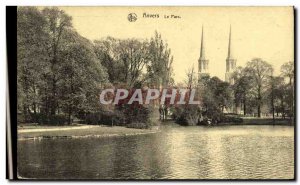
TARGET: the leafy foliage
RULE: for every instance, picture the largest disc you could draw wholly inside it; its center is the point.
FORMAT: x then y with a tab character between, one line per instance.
58	71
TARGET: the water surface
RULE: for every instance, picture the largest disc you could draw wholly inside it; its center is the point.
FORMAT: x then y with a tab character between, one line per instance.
227	152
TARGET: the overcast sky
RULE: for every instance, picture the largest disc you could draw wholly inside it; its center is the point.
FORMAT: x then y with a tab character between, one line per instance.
265	32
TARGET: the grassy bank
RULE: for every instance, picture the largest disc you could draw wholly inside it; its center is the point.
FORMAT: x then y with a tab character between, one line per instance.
261	121
78	131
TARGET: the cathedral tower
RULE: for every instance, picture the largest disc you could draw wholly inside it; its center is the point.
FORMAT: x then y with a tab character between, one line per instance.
230	62
202	62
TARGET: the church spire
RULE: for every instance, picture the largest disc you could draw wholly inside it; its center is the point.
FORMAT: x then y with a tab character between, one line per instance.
230	62
202	51
229	56
202	62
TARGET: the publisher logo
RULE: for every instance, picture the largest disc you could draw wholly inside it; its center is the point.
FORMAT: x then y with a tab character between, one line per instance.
132	17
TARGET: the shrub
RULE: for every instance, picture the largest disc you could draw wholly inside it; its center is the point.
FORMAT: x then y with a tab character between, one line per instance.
136	116
20	118
191	115
92	118
186	115
132	116
138	125
105	118
43	119
233	119
57	119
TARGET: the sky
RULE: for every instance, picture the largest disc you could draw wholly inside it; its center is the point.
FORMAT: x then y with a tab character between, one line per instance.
264	32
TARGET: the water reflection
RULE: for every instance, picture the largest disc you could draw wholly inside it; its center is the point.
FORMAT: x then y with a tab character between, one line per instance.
175	153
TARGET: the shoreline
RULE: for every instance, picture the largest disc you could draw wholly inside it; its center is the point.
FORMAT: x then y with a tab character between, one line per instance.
37	132
267	121
81	131
84	136
52	128
251	124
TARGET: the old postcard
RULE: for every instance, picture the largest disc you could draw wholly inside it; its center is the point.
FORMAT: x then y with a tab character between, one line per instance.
154	93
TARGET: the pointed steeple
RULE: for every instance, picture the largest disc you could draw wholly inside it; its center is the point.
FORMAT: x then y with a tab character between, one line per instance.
202	62
202	51
230	62
229	56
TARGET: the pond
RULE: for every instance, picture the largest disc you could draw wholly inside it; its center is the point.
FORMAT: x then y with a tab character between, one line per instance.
225	152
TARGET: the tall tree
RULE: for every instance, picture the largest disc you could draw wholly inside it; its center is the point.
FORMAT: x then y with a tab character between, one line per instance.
57	23
160	66
58	71
221	92
106	51
260	71
287	71
241	88
276	95
32	40
125	59
81	74
135	55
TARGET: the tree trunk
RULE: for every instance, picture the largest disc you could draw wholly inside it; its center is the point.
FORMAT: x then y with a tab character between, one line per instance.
291	100
282	108
53	101
273	113
34	108
25	113
259	102
69	116
34	104
244	102
258	111
272	102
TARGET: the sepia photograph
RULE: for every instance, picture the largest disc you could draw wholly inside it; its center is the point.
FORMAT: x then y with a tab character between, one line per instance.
155	93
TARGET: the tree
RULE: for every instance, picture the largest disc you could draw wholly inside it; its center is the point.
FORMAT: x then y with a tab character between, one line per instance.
82	76
215	96
106	51
135	55
187	114
57	23
125	59
287	71
32	40
191	80
274	82
221	92
260	71
159	68
136	62
277	95
71	75
241	88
